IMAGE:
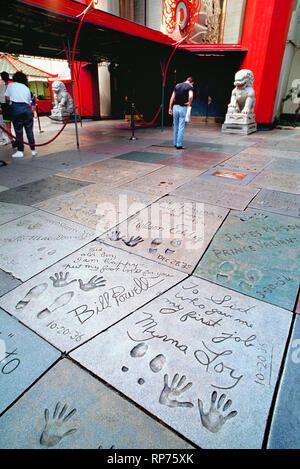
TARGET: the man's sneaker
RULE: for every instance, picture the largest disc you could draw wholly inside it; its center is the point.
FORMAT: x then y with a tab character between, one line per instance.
34	152
18	154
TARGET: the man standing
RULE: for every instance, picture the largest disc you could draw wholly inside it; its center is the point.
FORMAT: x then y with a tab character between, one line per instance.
181	99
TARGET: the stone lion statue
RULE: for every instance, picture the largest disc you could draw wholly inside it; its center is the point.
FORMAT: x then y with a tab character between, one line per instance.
243	96
63	103
240	117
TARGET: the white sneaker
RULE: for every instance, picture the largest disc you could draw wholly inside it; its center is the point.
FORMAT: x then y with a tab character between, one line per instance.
2	143
34	152
18	154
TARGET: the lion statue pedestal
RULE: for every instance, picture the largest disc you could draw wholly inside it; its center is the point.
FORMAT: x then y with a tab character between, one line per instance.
63	103
240	118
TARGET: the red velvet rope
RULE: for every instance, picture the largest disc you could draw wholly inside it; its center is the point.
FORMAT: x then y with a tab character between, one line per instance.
39	144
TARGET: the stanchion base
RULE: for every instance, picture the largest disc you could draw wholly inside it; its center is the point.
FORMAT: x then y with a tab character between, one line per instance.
132	138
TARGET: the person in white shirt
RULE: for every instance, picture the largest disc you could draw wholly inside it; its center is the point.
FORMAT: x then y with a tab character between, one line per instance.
19	96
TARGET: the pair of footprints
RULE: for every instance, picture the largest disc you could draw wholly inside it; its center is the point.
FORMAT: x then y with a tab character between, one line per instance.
227	270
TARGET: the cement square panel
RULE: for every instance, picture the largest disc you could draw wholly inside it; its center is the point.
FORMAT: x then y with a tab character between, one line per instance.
15	174
87	292
228	175
23	358
7	282
172	231
162	181
99	418
143	156
217	193
98	206
162	149
256	253
298	307
35	241
10	212
251	162
195	357
271	152
285	165
285	424
277	202
64	160
37	191
112	149
278	181
208	146
111	171
196	159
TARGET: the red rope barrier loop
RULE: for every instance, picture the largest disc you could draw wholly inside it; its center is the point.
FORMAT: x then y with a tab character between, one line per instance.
38	144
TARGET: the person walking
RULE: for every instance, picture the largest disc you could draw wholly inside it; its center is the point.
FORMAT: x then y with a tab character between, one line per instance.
180	100
5	108
18	95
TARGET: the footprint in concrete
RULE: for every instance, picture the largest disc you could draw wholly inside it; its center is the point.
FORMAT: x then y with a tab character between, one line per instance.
157	363
139	350
34	292
154	245
225	269
59	302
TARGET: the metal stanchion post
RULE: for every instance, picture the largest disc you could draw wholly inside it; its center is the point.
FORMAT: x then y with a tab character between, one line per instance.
132	122
38	117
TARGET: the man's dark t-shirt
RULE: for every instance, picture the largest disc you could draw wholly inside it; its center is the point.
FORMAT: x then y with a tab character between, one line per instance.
182	93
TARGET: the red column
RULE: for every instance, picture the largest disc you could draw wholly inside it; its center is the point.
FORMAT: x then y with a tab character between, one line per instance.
265	32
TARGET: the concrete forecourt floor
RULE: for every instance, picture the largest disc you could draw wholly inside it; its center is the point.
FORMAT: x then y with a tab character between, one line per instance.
149	296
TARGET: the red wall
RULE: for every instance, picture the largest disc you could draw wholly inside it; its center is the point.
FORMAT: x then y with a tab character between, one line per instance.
265	32
87	93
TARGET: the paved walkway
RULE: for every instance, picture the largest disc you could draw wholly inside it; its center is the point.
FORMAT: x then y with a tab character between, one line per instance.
148	296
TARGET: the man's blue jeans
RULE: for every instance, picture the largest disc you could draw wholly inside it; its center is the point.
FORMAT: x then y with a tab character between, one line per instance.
21	116
179	113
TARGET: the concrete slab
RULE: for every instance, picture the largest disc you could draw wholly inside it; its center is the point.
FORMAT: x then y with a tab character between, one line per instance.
277	202
37	191
111	171
249	162
7	282
23	358
37	240
87	292
196	159
162	181
112	149
278	181
285	426
91	419
64	160
285	165
16	174
195	357
10	212
256	253
98	206
143	156
173	231
228	175
208	146
217	193
271	152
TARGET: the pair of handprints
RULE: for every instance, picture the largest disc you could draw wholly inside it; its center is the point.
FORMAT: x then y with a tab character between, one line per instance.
214	419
